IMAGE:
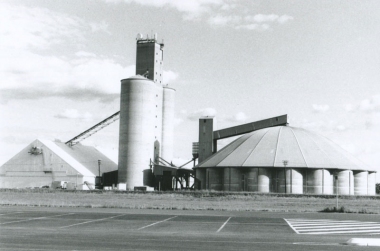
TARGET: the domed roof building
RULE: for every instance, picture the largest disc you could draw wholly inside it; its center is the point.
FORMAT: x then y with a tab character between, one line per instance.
285	159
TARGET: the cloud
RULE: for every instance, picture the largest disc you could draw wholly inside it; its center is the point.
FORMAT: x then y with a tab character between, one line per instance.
238	117
169	76
370	105
349	108
191	9
217	12
320	108
73	114
206	112
38	28
220	20
341	128
34	69
284	18
259	22
85	54
32	76
102	26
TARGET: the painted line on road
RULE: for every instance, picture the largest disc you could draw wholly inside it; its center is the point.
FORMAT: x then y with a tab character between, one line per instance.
92	221
223	225
339	225
309	220
339	228
335	224
46	217
290	225
157	222
345	232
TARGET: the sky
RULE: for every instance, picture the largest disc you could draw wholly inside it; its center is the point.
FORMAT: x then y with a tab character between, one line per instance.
318	61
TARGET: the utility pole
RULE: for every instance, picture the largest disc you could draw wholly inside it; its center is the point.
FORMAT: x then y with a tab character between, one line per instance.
337	191
99	161
285	162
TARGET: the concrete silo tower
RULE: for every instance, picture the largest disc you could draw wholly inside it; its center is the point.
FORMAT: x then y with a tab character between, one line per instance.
146	115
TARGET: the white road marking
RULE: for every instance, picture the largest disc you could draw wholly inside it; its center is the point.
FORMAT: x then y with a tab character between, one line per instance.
345	232
290	225
223	225
92	221
157	222
333	227
34	219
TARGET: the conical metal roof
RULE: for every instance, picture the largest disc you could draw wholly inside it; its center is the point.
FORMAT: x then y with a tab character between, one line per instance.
270	147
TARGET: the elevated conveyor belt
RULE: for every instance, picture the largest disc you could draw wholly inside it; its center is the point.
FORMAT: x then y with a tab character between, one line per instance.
93	129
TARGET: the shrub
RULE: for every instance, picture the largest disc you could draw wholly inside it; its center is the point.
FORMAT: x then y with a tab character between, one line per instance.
334	210
378	188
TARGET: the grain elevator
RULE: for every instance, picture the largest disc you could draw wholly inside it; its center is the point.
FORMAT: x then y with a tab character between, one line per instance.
146	115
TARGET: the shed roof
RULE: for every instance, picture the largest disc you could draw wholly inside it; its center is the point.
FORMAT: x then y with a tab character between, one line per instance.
270	147
81	157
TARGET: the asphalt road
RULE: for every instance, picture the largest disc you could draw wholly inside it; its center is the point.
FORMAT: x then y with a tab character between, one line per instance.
27	228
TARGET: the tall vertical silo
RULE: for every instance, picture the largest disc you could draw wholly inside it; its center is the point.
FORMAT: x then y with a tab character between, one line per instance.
138	111
168	123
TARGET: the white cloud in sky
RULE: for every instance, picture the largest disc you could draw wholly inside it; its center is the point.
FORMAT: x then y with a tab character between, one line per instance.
217	12
30	73
192	8
370	105
23	27
349	108
205	112
85	54
169	76
102	26
320	108
73	114
259	22
222	20
238	117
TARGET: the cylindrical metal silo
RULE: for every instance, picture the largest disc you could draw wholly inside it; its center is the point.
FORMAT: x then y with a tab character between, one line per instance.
361	183
318	181
278	180
371	183
294	181
328	182
252	176
264	178
215	179
232	179
314	184
168	123
200	175
137	128
344	182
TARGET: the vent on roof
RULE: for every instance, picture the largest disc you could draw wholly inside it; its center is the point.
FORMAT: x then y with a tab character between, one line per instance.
35	150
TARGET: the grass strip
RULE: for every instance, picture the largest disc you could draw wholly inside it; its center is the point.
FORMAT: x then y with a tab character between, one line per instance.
189	200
